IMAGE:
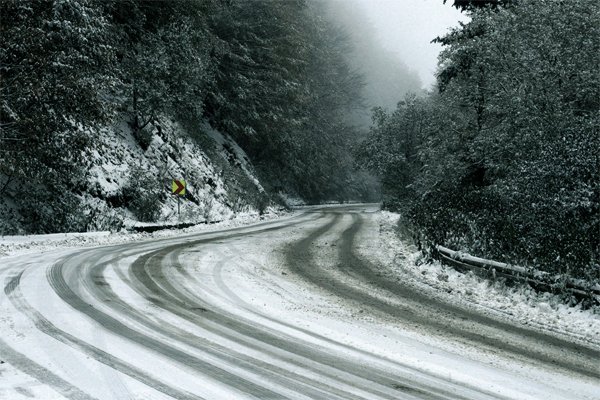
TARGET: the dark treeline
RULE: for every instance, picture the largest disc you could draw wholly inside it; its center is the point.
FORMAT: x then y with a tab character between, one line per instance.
286	92
502	160
272	74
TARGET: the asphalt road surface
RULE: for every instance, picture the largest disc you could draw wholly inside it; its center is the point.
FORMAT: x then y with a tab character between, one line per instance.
293	308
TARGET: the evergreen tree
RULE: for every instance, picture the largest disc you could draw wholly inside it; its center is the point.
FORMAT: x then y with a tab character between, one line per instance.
508	165
55	64
164	51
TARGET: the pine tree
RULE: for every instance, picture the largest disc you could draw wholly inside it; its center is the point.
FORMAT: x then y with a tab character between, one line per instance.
55	66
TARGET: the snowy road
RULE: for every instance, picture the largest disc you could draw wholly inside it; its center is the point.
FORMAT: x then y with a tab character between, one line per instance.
295	308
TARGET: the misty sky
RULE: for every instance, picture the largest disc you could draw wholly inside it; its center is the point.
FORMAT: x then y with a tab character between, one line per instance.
406	27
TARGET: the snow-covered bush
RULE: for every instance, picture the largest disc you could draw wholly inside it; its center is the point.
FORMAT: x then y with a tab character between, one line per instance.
503	161
147	194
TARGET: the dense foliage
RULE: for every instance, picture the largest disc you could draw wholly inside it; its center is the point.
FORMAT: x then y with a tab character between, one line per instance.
53	61
272	74
504	160
285	91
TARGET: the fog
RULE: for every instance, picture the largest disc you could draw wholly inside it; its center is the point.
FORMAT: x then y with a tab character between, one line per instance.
392	43
406	28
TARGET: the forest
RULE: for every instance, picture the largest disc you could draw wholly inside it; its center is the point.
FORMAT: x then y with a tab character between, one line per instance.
275	76
502	160
499	159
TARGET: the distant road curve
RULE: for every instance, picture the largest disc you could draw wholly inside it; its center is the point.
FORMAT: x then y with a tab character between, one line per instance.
231	314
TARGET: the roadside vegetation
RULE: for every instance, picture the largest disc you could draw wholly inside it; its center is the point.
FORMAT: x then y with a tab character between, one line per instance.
274	76
502	159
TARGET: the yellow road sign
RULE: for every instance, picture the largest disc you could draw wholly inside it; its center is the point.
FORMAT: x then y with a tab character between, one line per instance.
178	187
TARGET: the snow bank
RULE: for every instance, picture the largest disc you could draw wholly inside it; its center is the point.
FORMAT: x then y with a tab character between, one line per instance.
24	244
520	303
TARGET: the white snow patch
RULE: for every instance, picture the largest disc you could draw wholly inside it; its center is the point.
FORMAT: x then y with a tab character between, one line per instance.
28	244
228	146
520	303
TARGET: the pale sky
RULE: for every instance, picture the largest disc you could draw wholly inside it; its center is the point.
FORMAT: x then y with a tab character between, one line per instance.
406	27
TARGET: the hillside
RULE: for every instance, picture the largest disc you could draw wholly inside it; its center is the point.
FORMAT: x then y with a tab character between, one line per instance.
127	183
104	103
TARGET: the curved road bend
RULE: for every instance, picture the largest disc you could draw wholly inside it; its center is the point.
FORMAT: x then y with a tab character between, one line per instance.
199	317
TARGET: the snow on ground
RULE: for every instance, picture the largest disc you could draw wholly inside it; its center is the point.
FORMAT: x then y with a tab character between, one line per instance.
17	385
291	201
258	286
27	244
250	280
230	149
520	303
120	164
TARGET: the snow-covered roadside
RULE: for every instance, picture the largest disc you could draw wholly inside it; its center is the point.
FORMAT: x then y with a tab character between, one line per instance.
260	287
16	384
14	245
519	303
248	278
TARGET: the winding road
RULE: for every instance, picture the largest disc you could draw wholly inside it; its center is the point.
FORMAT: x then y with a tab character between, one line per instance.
293	308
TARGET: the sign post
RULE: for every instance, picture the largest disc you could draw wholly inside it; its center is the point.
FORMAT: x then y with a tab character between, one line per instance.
178	188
